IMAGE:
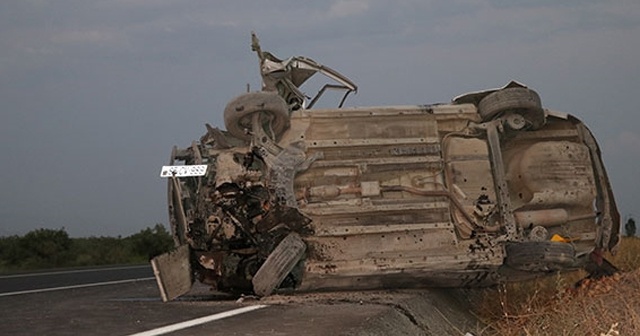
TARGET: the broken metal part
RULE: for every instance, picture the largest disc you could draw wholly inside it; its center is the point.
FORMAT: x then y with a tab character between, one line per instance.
176	211
215	137
286	77
173	272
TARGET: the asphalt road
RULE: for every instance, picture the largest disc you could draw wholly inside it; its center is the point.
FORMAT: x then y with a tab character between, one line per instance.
18	283
126	301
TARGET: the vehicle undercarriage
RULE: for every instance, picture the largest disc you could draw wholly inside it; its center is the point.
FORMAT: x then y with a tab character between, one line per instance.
489	187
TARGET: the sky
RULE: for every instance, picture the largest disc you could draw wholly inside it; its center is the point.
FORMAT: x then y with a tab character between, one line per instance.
95	93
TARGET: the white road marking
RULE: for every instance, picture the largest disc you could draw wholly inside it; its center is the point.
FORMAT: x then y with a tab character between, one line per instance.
198	321
71	271
73	287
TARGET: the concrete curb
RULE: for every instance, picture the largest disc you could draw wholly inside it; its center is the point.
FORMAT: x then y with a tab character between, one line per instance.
425	312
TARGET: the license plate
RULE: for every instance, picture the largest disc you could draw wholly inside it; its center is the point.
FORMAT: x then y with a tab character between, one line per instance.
183	171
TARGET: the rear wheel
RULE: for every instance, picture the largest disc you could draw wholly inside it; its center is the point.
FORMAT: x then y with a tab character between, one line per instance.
520	100
239	111
540	256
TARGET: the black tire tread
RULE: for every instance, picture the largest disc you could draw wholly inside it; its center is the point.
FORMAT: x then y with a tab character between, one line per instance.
279	264
540	256
523	101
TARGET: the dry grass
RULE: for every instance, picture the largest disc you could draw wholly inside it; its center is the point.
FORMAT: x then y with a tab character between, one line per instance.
554	306
628	257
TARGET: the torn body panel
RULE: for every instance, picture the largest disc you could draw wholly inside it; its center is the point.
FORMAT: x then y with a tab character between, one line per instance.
460	194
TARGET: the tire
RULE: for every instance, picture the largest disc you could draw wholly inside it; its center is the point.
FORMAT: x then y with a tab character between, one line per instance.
238	113
540	256
523	101
279	264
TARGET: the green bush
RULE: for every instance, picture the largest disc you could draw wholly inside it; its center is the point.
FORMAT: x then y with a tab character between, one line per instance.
151	242
48	248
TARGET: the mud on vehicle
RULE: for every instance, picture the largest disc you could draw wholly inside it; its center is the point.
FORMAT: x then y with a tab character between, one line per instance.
489	187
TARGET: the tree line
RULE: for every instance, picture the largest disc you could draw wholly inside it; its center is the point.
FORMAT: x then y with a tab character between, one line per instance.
50	248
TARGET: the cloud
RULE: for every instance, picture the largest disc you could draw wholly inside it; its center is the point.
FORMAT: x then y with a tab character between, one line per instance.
343	8
491	22
99	37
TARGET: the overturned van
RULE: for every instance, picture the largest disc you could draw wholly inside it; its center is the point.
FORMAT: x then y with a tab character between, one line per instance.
490	187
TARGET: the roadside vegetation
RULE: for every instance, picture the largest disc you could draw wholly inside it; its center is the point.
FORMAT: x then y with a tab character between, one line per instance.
565	305
47	248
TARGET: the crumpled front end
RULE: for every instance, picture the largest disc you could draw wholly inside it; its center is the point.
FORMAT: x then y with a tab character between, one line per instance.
232	218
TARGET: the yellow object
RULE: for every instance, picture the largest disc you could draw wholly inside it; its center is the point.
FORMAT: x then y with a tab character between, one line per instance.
558	238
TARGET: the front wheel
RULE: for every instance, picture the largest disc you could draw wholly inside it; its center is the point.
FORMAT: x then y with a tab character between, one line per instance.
279	264
239	112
